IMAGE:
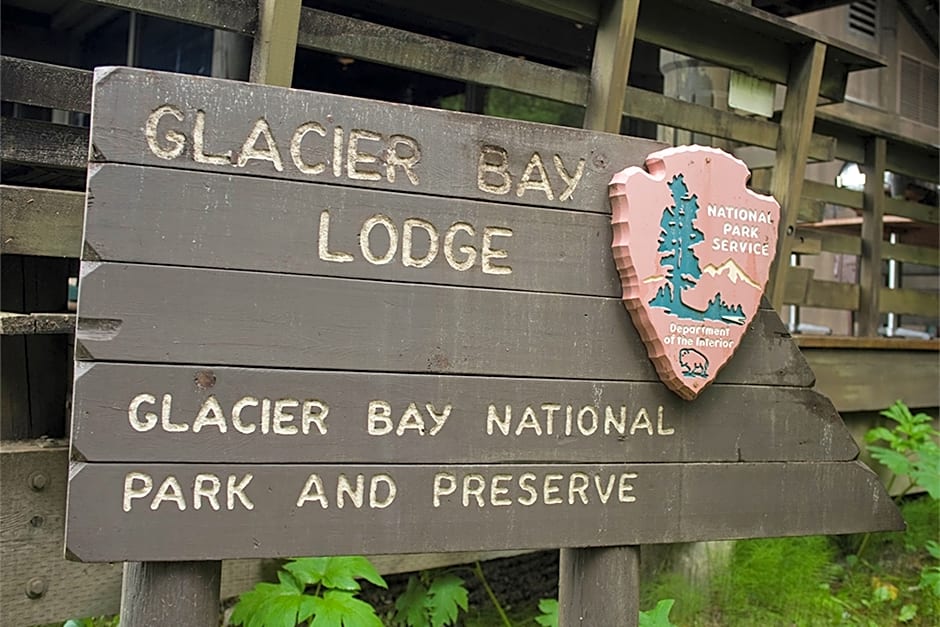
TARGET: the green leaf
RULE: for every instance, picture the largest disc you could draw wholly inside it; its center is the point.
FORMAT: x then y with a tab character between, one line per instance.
907	613
341	609
272	605
933	547
446	596
927	478
898	412
895	461
549	609
658	616
930	580
409	607
335	573
880	433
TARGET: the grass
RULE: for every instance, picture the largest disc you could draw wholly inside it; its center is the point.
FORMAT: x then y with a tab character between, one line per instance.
816	580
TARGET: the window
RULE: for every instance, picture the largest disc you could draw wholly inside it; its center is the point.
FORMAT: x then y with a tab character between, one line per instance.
918	91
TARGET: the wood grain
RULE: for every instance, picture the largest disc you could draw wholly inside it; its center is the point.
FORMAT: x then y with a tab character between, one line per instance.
769	423
908	301
586	579
45	85
182	315
40	143
796	128
673	503
450	143
846	374
36	324
870	277
152	215
37	221
158	593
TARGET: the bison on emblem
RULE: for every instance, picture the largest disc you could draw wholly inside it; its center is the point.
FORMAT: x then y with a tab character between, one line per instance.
694	363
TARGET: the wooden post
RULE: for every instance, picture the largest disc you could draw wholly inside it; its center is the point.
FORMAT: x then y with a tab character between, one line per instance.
272	57
869	276
796	130
154	594
601	586
613	48
187	593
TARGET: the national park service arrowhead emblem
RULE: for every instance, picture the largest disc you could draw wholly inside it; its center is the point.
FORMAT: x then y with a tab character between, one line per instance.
693	247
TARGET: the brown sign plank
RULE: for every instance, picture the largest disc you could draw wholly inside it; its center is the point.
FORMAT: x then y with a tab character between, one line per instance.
236	511
166	216
128	413
170	120
162	314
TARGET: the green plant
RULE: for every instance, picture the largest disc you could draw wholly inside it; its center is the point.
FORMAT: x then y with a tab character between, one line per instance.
930	575
93	621
549	613
658	616
319	589
775	581
912	450
911	453
431	601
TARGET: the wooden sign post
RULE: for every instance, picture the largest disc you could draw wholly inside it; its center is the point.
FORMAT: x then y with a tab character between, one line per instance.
318	325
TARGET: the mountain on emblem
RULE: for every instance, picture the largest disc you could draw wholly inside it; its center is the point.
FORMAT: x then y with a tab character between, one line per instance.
693	247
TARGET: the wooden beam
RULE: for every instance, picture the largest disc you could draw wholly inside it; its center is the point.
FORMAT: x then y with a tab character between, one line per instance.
833	195
36	221
921	255
174	593
914	302
832	295
239	16
272	57
833	242
806	243
597	584
845	375
796	125
798	280
41	143
652	107
358	39
882	343
45	85
870	278
912	210
913	161
613	49
36	323
584	573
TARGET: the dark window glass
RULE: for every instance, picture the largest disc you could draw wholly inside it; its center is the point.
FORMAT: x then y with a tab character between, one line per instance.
173	47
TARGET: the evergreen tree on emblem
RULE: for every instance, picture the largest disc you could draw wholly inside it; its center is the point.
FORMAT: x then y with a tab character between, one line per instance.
677	237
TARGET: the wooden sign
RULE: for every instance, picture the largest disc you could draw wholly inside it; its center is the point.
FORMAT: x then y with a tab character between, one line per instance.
143	413
163	512
311	325
693	246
